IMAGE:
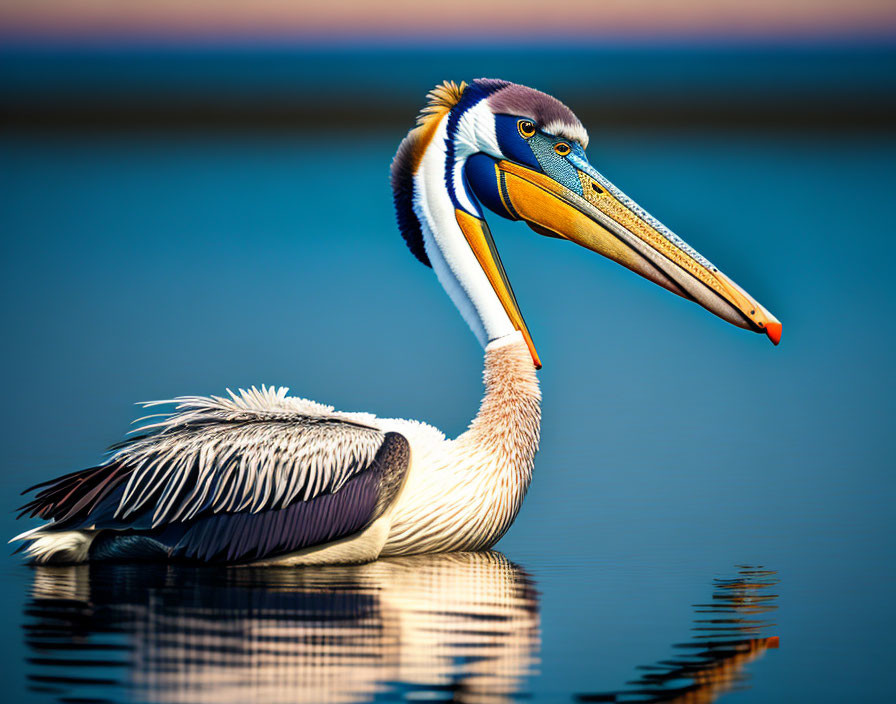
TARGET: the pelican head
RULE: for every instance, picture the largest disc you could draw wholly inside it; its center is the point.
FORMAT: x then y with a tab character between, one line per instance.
521	154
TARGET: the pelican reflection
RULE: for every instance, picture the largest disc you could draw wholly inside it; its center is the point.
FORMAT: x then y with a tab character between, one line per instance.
728	636
463	626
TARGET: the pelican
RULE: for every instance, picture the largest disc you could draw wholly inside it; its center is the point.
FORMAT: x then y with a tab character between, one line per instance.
265	478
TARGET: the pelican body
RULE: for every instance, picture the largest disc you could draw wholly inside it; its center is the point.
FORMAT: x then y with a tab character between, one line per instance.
261	477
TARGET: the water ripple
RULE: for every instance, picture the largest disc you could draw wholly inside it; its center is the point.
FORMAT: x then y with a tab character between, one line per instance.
463	627
728	636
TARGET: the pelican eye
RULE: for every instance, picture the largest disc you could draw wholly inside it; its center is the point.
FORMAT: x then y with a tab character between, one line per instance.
562	148
526	128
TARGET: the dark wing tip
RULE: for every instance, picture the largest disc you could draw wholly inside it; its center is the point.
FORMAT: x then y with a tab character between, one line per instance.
74	495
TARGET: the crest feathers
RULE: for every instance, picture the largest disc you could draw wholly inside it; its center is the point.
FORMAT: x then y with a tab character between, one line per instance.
441	99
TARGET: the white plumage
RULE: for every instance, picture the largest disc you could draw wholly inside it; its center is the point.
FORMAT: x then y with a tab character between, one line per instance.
463	494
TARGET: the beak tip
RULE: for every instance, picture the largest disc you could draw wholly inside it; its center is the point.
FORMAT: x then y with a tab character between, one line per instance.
773	330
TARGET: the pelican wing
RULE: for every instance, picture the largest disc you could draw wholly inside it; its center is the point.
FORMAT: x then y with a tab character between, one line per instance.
244	477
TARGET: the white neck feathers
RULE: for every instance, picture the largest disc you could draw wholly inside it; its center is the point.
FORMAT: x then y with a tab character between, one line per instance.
452	259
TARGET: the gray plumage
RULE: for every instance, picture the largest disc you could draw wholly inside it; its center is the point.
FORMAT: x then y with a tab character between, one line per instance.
259	466
255	451
545	110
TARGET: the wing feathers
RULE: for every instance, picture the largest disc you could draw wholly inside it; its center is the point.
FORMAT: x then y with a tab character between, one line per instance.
256	452
288	449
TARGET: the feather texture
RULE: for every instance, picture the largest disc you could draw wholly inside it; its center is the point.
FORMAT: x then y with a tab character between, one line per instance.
439	102
254	451
248	475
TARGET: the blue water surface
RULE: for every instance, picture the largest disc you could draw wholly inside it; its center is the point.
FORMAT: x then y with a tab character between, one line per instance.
676	449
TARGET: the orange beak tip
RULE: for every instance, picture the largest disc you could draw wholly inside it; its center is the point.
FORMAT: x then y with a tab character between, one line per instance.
773	330
772	642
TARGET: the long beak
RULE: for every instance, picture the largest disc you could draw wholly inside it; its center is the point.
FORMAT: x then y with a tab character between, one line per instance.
606	221
479	237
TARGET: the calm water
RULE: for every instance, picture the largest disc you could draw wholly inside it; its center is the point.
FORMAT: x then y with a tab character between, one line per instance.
700	497
459	627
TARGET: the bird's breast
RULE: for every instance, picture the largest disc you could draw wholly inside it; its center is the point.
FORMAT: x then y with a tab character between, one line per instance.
457	497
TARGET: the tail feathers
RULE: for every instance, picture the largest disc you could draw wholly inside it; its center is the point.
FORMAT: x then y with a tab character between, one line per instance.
57	547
